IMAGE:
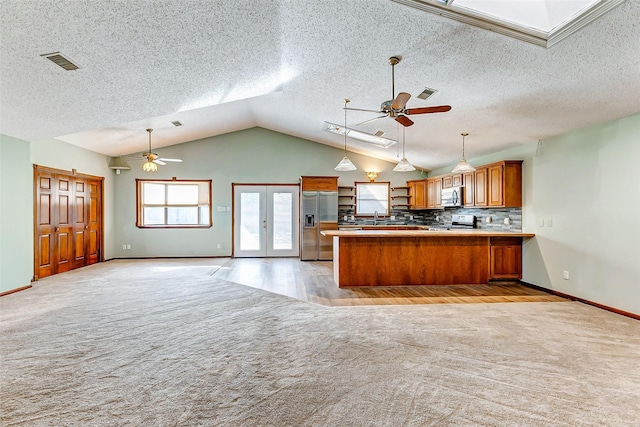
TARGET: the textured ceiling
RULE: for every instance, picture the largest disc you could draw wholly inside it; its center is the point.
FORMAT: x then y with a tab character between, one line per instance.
286	65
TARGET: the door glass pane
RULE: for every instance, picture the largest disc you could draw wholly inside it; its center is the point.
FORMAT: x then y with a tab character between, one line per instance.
282	221
250	221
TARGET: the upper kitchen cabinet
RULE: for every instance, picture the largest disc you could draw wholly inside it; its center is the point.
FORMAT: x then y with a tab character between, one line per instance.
469	183
319	183
481	187
418	194
449	181
504	184
434	193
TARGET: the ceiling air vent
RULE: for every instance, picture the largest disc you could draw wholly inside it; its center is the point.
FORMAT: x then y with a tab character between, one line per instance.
426	93
60	60
176	123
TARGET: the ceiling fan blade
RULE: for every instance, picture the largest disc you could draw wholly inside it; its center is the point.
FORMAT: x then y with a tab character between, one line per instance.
360	109
170	160
370	120
160	162
404	120
426	110
400	101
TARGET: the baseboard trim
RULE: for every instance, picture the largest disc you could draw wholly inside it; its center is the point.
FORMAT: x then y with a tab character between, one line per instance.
173	257
584	301
12	291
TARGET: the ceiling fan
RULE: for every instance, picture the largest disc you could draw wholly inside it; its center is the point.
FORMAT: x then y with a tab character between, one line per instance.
396	106
154	159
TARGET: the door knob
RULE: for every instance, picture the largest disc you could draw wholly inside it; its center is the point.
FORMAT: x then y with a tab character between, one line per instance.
57	229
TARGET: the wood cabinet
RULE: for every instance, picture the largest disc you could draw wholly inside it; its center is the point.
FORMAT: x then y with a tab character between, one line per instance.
469	183
449	181
418	194
504	184
505	260
481	187
68	221
319	183
434	193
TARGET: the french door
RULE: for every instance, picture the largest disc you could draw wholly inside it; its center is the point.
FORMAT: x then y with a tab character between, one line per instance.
265	220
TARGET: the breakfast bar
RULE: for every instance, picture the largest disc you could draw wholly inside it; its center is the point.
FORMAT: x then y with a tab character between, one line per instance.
425	257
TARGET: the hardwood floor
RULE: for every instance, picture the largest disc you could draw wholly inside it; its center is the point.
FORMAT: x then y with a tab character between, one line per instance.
312	281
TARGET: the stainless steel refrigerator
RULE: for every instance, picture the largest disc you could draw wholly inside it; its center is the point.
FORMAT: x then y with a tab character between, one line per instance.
319	212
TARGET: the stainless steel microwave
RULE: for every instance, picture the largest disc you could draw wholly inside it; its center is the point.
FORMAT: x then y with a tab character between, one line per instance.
451	196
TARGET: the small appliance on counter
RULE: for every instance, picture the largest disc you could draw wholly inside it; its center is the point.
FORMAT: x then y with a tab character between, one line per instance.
451	196
463	221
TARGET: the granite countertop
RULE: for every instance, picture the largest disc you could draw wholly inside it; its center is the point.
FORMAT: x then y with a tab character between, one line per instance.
424	233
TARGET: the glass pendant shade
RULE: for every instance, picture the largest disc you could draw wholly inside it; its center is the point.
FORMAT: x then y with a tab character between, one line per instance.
404	166
345	165
149	167
463	166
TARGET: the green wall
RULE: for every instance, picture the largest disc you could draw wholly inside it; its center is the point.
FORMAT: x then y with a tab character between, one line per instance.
254	155
16	214
586	183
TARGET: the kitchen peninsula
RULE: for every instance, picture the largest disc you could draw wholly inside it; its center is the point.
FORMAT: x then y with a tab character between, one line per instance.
425	257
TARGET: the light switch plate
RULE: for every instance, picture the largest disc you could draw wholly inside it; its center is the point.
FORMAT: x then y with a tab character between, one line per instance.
541	223
549	223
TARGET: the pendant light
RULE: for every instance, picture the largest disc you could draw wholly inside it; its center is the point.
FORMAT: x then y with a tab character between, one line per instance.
345	164
403	165
463	165
149	165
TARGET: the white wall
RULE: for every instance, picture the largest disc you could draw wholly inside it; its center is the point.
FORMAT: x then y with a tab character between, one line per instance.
16	214
254	155
586	182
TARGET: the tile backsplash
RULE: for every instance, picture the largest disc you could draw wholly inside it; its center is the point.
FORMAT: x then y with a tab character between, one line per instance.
486	218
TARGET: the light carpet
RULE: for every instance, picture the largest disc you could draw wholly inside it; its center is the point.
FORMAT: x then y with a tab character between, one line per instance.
165	343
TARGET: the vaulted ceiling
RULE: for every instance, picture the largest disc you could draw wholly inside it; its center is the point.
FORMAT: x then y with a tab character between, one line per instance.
287	65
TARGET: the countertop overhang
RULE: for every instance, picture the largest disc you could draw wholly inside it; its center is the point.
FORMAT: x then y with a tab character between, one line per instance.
424	233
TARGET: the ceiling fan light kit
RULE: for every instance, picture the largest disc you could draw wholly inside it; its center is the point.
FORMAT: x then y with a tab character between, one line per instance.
463	166
345	164
153	160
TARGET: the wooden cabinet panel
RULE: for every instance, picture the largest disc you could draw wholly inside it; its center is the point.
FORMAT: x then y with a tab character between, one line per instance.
437	189
456	180
319	183
506	258
504	184
481	187
418	194
469	182
431	195
495	185
447	181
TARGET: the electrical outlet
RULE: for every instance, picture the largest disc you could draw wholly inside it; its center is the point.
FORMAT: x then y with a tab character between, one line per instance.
128	246
565	275
489	220
124	247
218	245
507	221
393	217
353	218
411	217
344	218
549	223
541	223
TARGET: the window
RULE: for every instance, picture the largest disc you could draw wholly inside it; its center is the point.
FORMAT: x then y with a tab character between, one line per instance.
372	197
173	204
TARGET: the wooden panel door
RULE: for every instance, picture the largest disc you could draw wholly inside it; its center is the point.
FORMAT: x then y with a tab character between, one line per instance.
437	193
418	194
495	185
64	223
94	216
506	258
469	188
481	187
44	225
80	223
431	195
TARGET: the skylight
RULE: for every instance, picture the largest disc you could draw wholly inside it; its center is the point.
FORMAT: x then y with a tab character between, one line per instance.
542	22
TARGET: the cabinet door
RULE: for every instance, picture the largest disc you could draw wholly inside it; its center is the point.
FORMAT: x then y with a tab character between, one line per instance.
481	187
447	182
437	189
506	258
431	196
418	193
495	185
468	180
319	183
456	181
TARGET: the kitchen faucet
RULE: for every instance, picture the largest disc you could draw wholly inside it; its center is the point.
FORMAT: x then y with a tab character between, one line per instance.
375	217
